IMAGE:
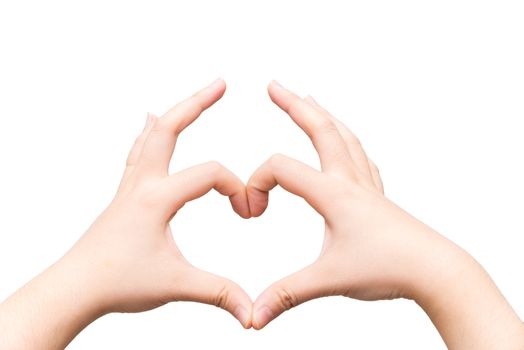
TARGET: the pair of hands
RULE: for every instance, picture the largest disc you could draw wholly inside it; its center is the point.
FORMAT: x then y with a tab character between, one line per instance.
148	270
128	261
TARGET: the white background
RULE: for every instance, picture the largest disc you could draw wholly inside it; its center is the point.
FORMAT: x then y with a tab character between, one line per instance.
434	89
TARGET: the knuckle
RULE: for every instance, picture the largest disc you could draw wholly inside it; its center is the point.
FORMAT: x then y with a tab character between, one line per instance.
294	107
196	107
286	298
276	160
342	189
214	167
223	296
193	105
324	124
353	140
163	125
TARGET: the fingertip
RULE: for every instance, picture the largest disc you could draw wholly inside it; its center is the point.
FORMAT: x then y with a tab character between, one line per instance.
243	316
273	88
219	85
276	84
240	205
257	201
245	215
245	212
218	82
243	311
222	83
262	317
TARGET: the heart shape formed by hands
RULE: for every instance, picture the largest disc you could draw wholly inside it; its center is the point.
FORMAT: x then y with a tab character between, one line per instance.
128	260
358	259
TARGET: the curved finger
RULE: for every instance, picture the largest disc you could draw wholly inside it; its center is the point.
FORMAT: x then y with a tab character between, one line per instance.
377	179
204	287
136	150
196	181
333	153
292	175
161	141
306	284
356	151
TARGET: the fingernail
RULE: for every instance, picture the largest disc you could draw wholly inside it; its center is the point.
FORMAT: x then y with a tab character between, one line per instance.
242	315
277	84
263	316
216	81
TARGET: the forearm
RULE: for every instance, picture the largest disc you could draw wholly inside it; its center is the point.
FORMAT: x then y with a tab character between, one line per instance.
462	300
49	311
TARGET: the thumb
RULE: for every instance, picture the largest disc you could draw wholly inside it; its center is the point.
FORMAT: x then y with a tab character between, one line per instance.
306	284
205	287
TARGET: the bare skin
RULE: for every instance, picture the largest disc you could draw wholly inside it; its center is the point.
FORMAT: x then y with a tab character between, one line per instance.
372	248
127	261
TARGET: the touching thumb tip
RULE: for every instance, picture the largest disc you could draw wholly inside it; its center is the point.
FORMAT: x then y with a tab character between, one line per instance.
243	316
262	316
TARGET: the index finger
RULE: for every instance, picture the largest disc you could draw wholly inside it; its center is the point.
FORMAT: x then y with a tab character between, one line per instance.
331	148
161	141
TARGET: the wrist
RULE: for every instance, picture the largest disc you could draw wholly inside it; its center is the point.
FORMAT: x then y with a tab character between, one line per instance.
58	302
438	268
461	299
77	281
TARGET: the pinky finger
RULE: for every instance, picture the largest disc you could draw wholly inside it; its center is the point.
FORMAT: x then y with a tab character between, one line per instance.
375	174
136	150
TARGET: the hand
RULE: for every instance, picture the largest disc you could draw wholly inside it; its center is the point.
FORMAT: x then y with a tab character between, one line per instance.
138	263
128	261
373	249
